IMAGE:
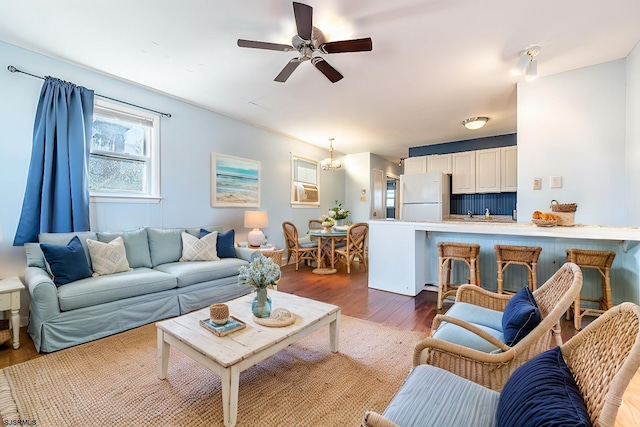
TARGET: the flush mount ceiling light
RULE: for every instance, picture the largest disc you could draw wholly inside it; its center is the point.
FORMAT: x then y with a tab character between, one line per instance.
527	63
475	123
329	164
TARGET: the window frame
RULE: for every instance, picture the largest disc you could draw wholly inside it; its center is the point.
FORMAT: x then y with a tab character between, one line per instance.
152	160
295	203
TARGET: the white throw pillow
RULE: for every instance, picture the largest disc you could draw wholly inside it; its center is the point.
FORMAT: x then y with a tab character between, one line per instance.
108	258
203	249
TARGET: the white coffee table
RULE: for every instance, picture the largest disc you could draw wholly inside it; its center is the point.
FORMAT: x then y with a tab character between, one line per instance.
229	355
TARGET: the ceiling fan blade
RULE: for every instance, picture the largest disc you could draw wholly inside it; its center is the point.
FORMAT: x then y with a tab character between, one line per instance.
357	45
326	69
304	18
287	70
265	45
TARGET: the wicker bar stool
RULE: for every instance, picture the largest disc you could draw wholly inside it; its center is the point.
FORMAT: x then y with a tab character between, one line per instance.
507	255
600	261
448	252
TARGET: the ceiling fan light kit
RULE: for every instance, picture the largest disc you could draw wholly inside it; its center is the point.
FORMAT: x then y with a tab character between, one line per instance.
475	123
309	41
527	64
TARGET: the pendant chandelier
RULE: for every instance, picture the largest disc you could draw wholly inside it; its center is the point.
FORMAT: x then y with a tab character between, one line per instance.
329	164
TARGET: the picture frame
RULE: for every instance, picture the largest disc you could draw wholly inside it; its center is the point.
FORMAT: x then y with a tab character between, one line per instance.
235	181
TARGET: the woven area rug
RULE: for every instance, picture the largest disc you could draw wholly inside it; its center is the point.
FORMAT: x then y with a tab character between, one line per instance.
113	381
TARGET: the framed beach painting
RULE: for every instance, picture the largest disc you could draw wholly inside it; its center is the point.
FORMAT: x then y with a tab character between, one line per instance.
234	181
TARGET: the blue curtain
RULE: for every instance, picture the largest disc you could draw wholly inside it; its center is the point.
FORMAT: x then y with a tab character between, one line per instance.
57	194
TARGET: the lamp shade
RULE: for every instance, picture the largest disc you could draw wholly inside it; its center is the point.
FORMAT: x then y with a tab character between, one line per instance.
256	219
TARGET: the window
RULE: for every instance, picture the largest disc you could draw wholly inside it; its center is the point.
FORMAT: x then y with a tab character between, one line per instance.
305	188
124	153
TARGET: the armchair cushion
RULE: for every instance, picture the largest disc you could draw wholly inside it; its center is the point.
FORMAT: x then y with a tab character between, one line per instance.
484	318
521	315
542	392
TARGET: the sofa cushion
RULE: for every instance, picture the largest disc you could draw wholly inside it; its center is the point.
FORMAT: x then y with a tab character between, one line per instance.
63	239
165	245
226	243
108	258
521	316
195	249
101	289
136	244
35	257
188	273
422	402
66	263
542	392
486	319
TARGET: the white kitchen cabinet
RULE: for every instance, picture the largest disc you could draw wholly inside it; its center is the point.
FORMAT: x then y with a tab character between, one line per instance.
415	165
488	171
509	169
439	163
463	180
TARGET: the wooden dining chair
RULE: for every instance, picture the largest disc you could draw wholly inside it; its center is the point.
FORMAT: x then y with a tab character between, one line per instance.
356	245
300	251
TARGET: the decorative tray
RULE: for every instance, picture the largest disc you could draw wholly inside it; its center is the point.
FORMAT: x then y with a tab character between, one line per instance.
232	325
279	318
545	222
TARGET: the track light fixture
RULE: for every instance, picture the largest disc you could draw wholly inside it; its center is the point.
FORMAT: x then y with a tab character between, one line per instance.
475	123
527	63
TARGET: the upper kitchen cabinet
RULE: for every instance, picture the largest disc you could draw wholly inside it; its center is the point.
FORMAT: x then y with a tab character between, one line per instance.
415	165
440	163
463	180
509	169
488	171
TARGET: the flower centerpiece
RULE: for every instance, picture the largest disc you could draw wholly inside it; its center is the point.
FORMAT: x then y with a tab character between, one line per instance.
261	273
338	212
327	222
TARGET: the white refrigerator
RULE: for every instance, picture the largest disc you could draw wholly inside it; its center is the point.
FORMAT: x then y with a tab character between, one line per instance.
425	196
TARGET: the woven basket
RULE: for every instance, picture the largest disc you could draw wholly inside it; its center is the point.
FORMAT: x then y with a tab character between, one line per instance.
5	332
566	213
545	222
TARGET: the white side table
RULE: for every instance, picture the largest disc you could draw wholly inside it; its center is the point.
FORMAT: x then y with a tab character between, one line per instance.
10	300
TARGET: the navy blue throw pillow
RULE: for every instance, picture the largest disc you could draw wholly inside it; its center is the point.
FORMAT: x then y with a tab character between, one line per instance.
66	263
225	244
542	392
521	316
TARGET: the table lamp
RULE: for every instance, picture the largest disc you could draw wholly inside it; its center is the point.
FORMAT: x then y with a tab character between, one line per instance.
255	220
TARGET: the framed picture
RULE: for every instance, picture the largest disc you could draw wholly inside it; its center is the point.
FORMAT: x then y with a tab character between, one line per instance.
234	181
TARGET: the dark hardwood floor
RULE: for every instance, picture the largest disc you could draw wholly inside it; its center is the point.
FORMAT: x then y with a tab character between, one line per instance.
351	293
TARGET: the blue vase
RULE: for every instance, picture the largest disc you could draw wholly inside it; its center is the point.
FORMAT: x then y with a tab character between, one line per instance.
261	305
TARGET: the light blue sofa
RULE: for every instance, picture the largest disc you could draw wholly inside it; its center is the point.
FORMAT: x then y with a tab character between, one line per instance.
157	287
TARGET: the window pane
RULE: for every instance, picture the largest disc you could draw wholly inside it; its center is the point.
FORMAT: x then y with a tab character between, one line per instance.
118	137
122	175
305	171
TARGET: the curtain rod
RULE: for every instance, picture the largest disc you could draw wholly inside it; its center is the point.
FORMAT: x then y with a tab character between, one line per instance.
13	69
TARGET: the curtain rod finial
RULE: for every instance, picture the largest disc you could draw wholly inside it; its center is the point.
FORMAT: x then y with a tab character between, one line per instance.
12	68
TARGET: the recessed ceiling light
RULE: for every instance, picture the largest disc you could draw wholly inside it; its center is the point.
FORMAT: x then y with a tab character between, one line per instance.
475	123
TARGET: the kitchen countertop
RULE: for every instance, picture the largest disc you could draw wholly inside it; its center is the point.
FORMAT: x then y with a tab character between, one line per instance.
512	228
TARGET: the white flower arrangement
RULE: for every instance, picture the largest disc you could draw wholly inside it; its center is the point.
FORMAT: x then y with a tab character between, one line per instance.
338	212
261	273
327	221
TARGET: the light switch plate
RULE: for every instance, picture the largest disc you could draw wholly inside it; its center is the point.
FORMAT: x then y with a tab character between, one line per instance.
537	183
555	182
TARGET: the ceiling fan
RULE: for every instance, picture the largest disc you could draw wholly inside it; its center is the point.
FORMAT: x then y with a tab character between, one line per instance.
308	41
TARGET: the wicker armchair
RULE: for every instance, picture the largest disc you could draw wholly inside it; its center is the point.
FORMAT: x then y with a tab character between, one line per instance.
602	358
299	252
491	370
356	245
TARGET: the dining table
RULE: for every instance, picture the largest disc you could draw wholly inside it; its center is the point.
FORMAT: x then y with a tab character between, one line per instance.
327	239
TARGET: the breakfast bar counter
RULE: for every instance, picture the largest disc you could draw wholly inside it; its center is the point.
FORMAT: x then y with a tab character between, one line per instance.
403	255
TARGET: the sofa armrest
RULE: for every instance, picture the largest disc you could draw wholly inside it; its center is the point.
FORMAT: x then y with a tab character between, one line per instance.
247	254
373	419
43	293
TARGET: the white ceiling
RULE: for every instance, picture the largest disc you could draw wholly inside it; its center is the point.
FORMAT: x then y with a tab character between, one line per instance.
434	62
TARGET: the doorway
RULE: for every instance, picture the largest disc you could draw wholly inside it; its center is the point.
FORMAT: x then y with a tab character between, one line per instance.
392	197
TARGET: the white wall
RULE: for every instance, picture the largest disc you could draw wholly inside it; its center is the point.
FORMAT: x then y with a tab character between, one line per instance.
633	136
573	124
